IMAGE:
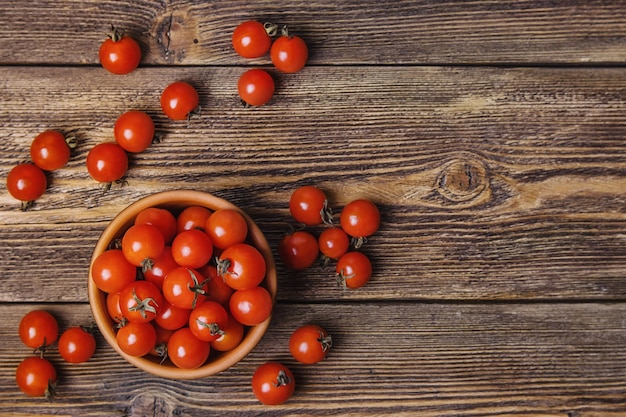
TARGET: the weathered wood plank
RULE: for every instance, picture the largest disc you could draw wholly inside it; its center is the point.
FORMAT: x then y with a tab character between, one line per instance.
388	359
348	32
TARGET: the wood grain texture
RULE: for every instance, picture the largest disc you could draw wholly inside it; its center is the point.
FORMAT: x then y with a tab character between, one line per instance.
347	32
427	359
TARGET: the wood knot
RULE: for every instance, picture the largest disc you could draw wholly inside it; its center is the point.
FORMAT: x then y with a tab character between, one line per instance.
464	181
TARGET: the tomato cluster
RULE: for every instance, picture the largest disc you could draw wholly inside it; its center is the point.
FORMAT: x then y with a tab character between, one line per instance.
183	284
300	249
39	330
253	39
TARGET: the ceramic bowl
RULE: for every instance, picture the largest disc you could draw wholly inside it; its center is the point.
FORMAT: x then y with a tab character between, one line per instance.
176	201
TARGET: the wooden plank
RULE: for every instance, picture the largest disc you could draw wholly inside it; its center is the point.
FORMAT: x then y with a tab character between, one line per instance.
348	32
388	359
493	184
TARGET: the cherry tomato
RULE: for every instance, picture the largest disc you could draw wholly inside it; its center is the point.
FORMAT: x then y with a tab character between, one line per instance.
113	307
184	287
289	53
255	87
179	100
141	301
208	321
107	162
142	244
241	266
298	250
360	218
38	329
310	344
134	131
36	377
226	227
192	248
251	307
354	269
192	217
217	289
187	351
50	150
309	205
333	242
111	272
136	339
161	267
77	345
273	383
26	182
251	39
160	345
163	219
231	337
171	317
119	54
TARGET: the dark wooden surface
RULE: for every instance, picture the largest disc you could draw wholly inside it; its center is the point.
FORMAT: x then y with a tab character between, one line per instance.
491	134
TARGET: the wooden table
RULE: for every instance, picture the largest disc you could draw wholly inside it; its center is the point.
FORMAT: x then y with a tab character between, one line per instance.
492	135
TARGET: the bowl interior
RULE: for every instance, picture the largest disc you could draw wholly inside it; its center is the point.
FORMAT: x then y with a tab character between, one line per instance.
176	201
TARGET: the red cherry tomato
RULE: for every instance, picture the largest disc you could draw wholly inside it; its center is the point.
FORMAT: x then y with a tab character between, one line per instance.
333	242
289	53
36	377
113	307
179	100
255	87
226	227
119	54
231	337
251	307
163	219
310	344
134	131
354	269
107	162
187	351
26	182
141	301
251	39
162	338
77	345
184	287
160	268
142	244
111	272
136	339
192	217
309	205
171	317
360	218
38	329
50	150
241	266
208	321
217	289
273	383
192	248
298	250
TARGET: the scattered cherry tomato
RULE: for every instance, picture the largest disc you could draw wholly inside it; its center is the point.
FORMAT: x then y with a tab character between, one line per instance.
50	150
184	287
310	344
273	383
298	250
36	377
230	338
360	218
252	39
208	321
226	227
136	339
107	162
162	218
354	270
119	54
309	205
26	182
179	100
289	53
38	329
333	242
142	244
111	272
192	248
134	131
77	345
255	87
251	307
241	266
187	351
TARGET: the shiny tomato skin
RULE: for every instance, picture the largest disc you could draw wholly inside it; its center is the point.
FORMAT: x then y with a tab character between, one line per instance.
184	287
298	250
161	267
76	345
36	376
232	337
273	383
308	204
49	150
251	40
119	54
217	289
309	344
141	301
136	339
113	307
289	53
208	320
26	182
242	266
187	351
111	272
162	218
333	242
354	269
178	100
192	217
192	248
226	227
142	244
171	317
360	218
38	329
251	307
134	131
107	162
255	87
